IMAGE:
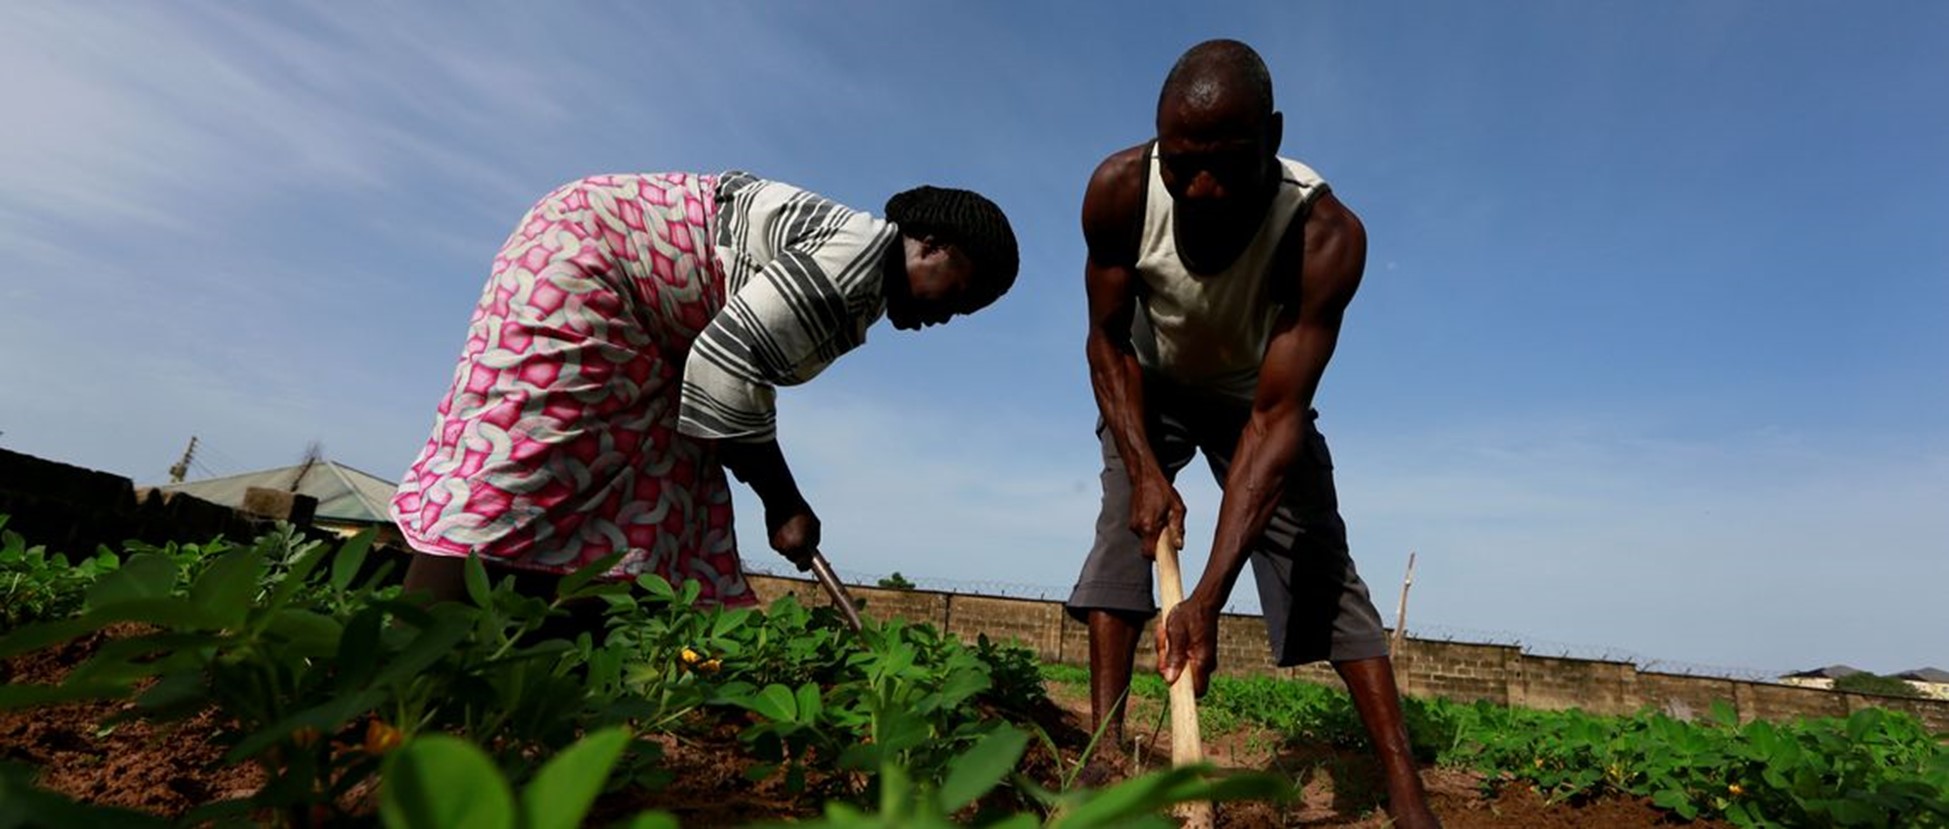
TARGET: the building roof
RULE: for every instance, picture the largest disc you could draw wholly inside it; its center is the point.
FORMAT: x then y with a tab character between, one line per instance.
343	493
1829	672
1935	675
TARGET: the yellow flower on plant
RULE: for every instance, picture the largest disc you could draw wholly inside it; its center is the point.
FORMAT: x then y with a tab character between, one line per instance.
1735	790
381	738
691	657
710	666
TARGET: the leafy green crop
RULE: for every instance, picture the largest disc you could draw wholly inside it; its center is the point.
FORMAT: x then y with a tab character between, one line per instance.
1875	768
35	585
331	679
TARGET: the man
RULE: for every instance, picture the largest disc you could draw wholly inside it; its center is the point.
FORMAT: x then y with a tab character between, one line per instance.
1217	277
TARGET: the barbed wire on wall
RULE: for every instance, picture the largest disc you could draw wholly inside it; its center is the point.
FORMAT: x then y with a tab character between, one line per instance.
1003	589
1600	653
778	567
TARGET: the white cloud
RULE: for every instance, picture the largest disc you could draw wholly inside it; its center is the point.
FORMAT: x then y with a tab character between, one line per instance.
1749	550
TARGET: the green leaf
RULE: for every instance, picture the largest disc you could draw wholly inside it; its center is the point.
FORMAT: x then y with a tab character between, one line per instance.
776	702
143	576
963	685
16	696
350	557
1148	793
301	568
478	590
653	820
162	611
358	648
39	635
978	769
326	716
728	621
657	586
23	805
900	730
226	587
442	782
587	573
561	793
447	629
306	633
809	702
174	692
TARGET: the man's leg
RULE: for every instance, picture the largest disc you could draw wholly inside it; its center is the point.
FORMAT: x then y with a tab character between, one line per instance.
1371	682
1113	655
1113	593
1317	607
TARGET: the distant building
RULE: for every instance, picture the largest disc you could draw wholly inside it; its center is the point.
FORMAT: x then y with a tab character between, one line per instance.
1820	677
349	500
1931	681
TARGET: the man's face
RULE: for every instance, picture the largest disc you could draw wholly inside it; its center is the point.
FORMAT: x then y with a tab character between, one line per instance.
1216	161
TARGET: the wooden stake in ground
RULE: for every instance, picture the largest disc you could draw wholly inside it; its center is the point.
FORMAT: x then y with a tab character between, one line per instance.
1186	747
1401	613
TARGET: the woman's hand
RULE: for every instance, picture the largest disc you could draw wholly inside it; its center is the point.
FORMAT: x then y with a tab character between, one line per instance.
789	523
794	532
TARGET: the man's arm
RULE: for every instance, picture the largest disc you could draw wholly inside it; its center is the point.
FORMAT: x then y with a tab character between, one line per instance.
1333	258
1112	208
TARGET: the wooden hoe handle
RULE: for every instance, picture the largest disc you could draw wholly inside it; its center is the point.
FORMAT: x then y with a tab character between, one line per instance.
1186	748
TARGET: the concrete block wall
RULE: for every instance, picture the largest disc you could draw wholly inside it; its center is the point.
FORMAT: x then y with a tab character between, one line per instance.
1460	671
71	509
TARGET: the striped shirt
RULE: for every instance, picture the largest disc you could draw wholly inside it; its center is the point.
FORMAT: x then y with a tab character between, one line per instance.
802	285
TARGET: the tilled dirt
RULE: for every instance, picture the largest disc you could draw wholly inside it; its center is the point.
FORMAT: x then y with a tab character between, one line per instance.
168	771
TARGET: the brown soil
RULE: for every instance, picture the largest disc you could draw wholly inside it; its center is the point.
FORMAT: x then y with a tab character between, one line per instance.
168	771
165	770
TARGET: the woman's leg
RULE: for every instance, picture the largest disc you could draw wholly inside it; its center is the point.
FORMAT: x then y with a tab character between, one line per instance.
437	578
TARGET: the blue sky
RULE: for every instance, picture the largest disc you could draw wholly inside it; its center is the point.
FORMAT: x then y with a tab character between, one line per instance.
1649	358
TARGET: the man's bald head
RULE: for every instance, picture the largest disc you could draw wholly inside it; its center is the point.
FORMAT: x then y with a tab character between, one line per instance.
1218	75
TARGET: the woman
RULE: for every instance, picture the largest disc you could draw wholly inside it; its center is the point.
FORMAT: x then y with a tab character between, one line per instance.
625	353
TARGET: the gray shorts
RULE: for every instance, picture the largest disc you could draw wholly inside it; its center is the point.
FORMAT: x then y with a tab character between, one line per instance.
1314	602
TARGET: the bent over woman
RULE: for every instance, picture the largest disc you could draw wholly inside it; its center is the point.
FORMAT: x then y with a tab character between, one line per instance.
626	351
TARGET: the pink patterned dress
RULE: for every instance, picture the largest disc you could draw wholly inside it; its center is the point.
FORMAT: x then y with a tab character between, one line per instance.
557	443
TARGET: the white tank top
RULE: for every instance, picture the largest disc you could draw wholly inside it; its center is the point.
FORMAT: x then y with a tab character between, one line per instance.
1210	330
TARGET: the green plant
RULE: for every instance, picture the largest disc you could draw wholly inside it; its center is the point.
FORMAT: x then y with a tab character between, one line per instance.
22	806
444	782
1867	683
35	585
321	675
896	582
1873	769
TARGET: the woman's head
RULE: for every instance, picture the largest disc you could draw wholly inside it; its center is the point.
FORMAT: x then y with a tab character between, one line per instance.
957	256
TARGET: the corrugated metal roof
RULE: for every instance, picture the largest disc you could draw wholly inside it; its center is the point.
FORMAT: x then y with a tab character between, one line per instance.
1829	672
343	493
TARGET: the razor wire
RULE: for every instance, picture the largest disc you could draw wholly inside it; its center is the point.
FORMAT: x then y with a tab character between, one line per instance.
1528	645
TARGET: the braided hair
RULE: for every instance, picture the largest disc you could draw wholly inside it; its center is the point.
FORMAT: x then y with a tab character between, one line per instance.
966	220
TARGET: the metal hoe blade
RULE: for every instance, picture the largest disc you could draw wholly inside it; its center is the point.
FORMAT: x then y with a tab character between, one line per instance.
830	581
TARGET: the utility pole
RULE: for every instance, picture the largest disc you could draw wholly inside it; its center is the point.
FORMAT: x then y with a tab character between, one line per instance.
181	468
1401	613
